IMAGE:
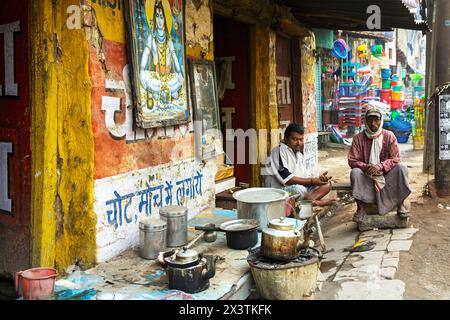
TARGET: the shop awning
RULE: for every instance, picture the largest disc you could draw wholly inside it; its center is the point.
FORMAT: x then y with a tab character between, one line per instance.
352	14
382	36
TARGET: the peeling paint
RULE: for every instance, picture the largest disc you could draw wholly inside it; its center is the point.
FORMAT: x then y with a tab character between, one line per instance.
199	31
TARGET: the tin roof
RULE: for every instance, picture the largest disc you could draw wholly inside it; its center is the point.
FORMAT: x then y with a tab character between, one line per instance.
352	14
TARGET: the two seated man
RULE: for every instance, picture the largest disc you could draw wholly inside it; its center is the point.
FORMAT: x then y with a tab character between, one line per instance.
377	176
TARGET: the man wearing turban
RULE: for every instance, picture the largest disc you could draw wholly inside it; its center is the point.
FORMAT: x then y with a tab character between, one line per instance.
377	176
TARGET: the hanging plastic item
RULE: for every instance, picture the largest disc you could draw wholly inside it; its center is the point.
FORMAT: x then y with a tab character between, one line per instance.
340	49
362	51
377	50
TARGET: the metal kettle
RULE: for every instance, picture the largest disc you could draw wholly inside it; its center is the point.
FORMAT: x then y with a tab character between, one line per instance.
280	240
190	271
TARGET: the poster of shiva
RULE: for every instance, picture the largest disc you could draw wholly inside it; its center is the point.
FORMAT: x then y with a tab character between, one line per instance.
155	38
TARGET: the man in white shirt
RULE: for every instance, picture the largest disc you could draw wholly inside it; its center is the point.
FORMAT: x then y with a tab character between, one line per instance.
288	172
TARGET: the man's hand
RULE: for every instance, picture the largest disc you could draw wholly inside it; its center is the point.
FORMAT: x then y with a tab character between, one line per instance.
373	170
323	177
318	182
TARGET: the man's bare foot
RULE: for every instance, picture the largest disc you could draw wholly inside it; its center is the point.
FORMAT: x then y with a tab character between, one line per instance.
324	203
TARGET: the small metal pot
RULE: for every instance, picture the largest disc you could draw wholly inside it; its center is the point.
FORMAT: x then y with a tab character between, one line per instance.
189	271
241	234
280	241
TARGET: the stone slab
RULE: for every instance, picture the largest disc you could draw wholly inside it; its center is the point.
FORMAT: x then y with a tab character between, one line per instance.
374	233
399	245
362	273
390	262
388	221
372	290
388	273
405	231
401	236
390	255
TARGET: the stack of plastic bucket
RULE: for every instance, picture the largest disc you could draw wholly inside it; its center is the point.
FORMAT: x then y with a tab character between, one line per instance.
397	93
386	79
386	96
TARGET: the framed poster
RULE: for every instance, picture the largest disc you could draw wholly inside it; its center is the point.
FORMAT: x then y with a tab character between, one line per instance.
205	108
155	38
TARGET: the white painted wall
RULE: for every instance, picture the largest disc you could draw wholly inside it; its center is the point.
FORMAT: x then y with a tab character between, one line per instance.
132	188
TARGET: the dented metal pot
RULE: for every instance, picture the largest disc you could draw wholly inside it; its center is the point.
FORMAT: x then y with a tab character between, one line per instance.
280	240
189	271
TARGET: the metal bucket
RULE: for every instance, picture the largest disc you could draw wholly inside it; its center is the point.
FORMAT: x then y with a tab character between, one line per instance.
177	220
262	204
152	238
284	281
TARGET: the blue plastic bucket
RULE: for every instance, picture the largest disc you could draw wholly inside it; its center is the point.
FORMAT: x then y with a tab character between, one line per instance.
385	73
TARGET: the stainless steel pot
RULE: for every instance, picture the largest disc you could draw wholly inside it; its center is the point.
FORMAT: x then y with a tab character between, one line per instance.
152	237
262	204
176	217
280	241
189	271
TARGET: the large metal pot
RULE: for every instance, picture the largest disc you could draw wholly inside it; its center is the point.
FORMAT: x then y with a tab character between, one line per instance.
241	234
262	204
280	240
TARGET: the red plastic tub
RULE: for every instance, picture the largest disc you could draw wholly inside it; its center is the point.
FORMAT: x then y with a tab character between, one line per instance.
385	95
396	104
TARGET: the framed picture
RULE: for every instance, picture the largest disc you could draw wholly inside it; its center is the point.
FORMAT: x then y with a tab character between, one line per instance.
205	105
155	38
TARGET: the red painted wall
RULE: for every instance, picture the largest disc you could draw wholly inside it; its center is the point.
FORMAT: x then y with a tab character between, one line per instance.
15	127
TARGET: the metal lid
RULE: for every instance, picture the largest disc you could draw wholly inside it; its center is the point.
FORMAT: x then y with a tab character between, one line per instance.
153	224
186	256
281	224
260	195
173	211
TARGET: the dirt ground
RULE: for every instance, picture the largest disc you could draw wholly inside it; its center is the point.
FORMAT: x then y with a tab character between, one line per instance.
425	269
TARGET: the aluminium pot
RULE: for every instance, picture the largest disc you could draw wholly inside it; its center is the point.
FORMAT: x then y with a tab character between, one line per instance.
262	204
241	234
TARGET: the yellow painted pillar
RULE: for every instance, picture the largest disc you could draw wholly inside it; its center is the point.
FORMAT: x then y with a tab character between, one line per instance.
63	221
263	102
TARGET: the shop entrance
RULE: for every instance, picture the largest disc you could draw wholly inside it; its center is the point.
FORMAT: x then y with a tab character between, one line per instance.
231	53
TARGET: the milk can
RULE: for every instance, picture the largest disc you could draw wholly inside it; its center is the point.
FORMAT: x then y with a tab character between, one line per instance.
152	238
176	217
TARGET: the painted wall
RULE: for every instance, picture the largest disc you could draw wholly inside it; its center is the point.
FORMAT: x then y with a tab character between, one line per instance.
138	171
15	150
308	80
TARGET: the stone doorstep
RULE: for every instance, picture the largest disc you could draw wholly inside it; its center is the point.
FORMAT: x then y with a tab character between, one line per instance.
399	245
389	221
